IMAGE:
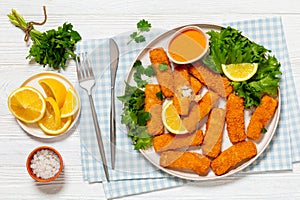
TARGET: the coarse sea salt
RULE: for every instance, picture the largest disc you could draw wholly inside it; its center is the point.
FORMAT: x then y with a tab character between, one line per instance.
45	164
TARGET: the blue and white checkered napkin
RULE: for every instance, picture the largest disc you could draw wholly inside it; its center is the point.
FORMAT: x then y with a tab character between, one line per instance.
133	173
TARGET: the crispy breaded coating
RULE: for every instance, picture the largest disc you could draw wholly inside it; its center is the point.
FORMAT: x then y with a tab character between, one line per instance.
196	85
184	71
199	110
186	161
183	93
212	142
151	98
191	121
211	80
164	77
261	116
206	103
228	87
234	155
153	105
171	141
235	118
158	56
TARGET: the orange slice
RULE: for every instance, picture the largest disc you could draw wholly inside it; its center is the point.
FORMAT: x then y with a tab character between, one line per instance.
27	104
51	123
71	104
55	89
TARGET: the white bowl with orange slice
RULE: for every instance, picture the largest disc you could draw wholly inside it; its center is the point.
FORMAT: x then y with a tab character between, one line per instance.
46	105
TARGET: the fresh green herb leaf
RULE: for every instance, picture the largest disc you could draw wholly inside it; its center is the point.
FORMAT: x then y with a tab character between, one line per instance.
263	130
135	117
160	95
137	76
149	71
163	67
139	71
133	35
53	47
229	46
142	26
140	39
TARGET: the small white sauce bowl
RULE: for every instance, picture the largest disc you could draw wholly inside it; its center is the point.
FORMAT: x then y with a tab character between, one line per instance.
179	32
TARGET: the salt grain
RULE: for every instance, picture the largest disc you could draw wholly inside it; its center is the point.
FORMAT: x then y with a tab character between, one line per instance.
45	164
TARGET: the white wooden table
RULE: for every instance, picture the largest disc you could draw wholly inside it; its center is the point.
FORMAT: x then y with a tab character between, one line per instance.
97	19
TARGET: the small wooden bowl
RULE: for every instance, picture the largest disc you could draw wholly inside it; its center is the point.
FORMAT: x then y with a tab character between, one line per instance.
30	157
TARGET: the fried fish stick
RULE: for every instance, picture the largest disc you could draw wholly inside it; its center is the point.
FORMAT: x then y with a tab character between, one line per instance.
171	141
228	87
211	146
206	103
196	85
261	116
199	110
183	92
234	155
151	98
186	161
153	105
211	80
164	77
235	118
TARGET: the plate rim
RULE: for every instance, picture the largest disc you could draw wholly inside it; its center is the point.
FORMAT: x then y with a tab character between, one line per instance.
177	173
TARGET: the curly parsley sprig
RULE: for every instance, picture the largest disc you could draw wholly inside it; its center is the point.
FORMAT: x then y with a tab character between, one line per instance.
142	26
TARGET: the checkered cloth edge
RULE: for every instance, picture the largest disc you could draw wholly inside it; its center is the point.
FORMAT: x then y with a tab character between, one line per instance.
134	174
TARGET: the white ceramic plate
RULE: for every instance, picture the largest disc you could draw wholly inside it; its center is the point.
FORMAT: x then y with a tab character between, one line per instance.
34	129
153	157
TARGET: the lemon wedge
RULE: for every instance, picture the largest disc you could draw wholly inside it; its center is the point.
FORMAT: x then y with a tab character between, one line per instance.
171	119
240	72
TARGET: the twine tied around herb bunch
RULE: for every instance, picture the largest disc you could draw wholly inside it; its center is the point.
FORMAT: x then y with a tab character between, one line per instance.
29	26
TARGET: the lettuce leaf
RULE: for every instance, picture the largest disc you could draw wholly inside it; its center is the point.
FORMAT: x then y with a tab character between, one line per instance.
229	46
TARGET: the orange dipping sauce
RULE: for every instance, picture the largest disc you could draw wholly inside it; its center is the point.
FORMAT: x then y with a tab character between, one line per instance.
188	45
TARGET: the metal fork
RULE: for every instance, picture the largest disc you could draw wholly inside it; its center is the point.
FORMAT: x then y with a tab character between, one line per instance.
86	80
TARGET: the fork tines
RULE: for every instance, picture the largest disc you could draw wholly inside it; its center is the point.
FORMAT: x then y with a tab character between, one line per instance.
83	66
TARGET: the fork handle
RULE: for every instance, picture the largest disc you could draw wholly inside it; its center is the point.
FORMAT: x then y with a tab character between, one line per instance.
99	138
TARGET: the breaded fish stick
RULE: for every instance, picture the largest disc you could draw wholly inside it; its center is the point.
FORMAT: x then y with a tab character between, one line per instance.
171	141
196	85
185	160
235	118
211	146
164	76
153	105
183	93
199	111
206	103
234	155
211	80
261	116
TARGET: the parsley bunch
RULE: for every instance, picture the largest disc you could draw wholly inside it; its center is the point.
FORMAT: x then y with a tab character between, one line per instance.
53	47
142	26
134	116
